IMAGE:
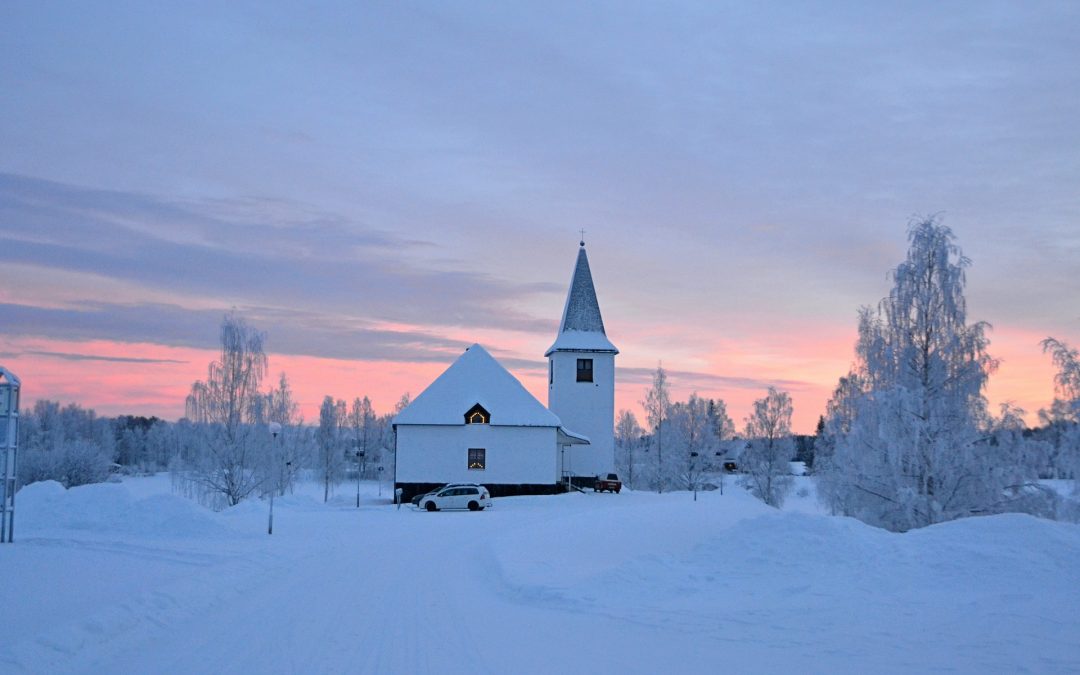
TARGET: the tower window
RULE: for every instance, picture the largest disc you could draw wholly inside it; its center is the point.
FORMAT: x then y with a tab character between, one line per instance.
477	459
551	372
584	370
477	415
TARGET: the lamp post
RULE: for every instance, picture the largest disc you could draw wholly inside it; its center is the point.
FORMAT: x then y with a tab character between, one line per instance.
359	456
275	431
693	473
380	481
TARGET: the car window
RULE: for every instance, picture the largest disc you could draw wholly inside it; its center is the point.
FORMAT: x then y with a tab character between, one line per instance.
447	493
470	491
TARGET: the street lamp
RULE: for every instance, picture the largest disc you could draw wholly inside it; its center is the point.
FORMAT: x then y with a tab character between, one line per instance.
722	471
359	456
693	474
275	431
380	481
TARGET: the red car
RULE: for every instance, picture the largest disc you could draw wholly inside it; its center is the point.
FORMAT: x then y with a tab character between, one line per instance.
609	484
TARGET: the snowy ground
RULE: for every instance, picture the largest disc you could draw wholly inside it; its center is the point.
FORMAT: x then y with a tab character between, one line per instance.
129	578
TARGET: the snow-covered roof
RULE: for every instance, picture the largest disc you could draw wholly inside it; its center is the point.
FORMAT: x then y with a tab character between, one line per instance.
476	377
567	437
6	374
582	327
580	341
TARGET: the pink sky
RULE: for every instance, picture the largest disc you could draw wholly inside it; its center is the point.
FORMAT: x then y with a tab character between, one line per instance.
131	387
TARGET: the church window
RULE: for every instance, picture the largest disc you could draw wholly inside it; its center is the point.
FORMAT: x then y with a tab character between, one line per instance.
477	415
477	459
584	370
551	372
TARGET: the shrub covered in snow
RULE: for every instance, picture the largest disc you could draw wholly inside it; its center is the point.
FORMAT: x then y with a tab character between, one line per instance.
71	463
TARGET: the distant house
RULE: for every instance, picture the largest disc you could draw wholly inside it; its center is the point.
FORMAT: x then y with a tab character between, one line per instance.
477	424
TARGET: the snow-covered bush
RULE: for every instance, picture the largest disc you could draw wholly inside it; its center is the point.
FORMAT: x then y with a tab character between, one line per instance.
72	463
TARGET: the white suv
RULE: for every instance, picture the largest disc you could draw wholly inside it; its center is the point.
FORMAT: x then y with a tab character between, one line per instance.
472	497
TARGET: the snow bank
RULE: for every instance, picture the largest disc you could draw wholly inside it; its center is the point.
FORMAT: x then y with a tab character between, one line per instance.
110	508
638	582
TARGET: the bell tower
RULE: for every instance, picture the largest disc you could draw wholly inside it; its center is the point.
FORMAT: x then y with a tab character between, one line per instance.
581	376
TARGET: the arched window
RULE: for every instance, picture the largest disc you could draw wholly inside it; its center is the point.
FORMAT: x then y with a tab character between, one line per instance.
477	415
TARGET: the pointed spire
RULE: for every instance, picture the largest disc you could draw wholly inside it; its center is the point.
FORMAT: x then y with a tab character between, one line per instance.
582	327
582	310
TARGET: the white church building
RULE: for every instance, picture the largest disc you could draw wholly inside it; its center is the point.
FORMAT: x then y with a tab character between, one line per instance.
476	423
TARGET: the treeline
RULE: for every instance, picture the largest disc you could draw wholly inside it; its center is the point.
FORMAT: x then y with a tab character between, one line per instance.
689	442
236	441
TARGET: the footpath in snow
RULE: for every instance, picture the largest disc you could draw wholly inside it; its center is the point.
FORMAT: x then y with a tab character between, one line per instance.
130	578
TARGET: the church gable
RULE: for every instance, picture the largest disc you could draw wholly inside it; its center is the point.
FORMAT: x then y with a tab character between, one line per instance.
474	380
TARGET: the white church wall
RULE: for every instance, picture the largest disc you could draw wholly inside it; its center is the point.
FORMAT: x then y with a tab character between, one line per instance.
587	408
439	454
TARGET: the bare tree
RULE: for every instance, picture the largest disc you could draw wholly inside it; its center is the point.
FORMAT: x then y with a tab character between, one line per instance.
223	408
769	448
656	404
628	435
289	449
328	437
1064	414
363	421
723	428
692	442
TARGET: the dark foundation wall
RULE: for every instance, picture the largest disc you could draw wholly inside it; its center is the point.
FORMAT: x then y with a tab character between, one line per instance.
410	490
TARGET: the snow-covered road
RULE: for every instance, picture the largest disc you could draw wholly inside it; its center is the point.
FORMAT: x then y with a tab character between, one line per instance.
577	583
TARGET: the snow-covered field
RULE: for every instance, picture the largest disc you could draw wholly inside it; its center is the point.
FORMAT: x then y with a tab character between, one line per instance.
127	578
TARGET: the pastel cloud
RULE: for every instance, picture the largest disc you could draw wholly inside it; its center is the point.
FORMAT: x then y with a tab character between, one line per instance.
379	185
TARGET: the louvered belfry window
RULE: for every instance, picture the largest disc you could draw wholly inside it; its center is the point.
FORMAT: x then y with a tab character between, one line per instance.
584	370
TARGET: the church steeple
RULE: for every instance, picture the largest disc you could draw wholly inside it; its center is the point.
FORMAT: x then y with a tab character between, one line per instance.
582	310
582	326
581	376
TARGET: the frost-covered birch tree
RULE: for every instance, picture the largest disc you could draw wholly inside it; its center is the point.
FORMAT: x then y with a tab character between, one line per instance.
363	421
331	460
769	448
223	408
628	435
1063	417
656	404
693	442
288	452
723	428
910	440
